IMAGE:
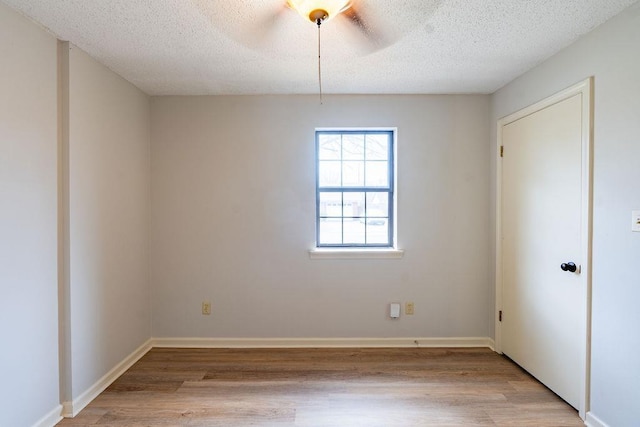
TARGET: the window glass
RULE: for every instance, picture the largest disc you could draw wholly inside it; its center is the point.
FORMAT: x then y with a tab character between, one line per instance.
354	188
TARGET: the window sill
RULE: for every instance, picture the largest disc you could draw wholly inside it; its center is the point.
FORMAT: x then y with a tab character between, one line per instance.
337	253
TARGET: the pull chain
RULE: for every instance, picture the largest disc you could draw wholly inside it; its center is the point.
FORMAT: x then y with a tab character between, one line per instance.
319	22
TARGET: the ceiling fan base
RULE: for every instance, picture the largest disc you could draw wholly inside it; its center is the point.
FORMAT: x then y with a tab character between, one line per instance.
318	15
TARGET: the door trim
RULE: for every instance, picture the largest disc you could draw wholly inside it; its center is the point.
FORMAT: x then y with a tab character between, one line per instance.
584	88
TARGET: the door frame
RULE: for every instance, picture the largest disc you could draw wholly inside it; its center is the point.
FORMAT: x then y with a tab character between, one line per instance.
584	88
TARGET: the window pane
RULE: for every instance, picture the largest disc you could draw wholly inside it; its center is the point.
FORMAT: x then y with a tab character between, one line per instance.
353	205
377	205
354	230
329	173
331	205
329	146
378	233
377	174
377	218
330	231
355	172
377	147
352	147
352	174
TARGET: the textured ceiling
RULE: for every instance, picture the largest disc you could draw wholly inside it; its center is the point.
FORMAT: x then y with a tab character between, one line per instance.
198	47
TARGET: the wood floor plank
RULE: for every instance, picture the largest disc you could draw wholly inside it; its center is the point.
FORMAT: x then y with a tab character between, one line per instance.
325	387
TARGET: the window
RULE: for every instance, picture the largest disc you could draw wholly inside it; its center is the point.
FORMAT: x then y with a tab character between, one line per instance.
355	189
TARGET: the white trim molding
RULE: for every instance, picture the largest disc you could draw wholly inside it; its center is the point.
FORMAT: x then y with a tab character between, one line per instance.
71	409
593	421
323	253
322	342
51	419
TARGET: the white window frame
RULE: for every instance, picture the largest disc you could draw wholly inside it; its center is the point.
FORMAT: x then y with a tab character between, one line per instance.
357	251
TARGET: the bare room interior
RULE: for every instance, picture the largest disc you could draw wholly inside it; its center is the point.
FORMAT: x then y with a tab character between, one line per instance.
319	213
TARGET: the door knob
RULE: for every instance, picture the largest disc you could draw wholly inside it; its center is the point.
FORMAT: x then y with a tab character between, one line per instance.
569	266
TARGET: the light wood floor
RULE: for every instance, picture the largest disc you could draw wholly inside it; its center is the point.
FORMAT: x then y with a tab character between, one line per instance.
326	387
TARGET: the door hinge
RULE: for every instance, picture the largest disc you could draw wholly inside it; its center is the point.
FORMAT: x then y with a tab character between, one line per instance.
500	316
502	151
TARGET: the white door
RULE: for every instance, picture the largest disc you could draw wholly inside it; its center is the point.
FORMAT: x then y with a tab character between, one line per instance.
544	199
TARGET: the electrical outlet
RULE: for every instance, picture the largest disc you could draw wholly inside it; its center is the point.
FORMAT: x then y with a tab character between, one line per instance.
635	221
408	308
206	308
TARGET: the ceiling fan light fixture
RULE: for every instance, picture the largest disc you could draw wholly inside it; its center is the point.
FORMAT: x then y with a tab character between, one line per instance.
319	10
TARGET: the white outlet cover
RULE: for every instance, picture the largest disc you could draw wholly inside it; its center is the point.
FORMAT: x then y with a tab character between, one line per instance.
394	310
635	221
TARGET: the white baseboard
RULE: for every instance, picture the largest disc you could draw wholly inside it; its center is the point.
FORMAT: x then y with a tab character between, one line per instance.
51	419
593	421
71	409
67	410
320	342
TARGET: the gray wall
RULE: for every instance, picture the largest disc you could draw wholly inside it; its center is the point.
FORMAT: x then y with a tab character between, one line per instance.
28	222
103	252
233	205
611	54
109	199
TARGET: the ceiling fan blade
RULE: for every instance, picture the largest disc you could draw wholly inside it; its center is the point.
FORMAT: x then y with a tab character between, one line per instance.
357	17
254	30
263	29
266	27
